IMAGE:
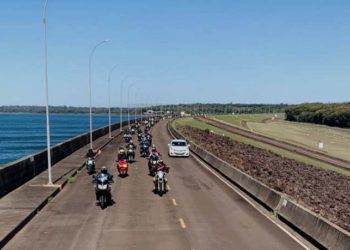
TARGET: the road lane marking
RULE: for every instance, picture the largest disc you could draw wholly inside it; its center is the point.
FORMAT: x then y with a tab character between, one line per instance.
249	201
182	223
174	202
168	187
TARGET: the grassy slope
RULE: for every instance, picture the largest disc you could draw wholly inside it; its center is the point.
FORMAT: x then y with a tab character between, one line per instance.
336	141
236	119
284	153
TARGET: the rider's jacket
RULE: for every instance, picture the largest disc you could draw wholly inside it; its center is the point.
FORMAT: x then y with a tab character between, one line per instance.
162	167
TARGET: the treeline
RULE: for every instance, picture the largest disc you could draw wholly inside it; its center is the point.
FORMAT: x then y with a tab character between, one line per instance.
228	108
194	108
332	114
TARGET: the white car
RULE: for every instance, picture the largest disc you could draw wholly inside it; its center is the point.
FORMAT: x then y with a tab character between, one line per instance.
179	148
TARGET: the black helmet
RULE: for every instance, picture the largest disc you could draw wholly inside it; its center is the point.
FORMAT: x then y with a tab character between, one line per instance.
104	170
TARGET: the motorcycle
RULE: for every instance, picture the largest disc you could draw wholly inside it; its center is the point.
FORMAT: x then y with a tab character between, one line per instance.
139	136
122	167
149	139
127	138
103	190
90	166
130	154
160	183
152	166
144	150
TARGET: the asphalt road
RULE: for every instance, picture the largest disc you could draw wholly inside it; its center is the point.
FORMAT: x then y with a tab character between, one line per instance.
199	212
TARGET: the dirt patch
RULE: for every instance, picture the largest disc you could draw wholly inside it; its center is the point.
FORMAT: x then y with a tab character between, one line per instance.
325	192
244	124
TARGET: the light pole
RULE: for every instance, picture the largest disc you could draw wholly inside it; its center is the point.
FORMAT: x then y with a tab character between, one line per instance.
136	97
109	99
90	59
48	141
129	87
121	103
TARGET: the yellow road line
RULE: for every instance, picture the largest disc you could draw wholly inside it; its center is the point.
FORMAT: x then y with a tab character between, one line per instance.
182	223
174	202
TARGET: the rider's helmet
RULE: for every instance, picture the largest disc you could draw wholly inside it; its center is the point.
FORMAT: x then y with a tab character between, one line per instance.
154	149
104	170
131	142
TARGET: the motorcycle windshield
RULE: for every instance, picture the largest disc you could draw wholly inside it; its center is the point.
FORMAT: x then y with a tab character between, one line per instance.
102	179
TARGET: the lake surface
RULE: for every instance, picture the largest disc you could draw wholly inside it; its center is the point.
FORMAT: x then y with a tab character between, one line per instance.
25	134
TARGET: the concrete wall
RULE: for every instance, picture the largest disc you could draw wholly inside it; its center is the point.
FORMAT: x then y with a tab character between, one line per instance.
18	172
310	224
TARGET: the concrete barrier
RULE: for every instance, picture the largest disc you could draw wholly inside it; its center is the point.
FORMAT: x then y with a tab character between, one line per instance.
18	172
318	229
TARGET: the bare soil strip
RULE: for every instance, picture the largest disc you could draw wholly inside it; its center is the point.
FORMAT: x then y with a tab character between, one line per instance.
323	191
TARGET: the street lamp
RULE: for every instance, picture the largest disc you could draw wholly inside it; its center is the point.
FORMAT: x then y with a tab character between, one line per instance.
121	103
109	99
90	59
48	141
129	87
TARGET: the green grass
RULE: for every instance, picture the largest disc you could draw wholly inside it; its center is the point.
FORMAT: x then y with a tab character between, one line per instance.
71	179
237	119
276	150
336	141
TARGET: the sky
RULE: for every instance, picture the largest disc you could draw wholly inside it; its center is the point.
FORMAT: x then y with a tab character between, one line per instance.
176	51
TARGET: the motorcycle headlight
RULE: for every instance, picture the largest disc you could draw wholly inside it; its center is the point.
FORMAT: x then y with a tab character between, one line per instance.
102	186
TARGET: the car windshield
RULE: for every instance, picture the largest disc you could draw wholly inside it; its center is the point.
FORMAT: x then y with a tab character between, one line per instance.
179	144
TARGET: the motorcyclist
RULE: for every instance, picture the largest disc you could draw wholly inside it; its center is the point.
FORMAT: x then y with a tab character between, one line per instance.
154	155
154	151
131	143
161	166
121	154
101	174
90	160
149	138
90	165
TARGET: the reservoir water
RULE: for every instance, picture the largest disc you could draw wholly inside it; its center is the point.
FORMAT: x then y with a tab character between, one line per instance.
25	134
